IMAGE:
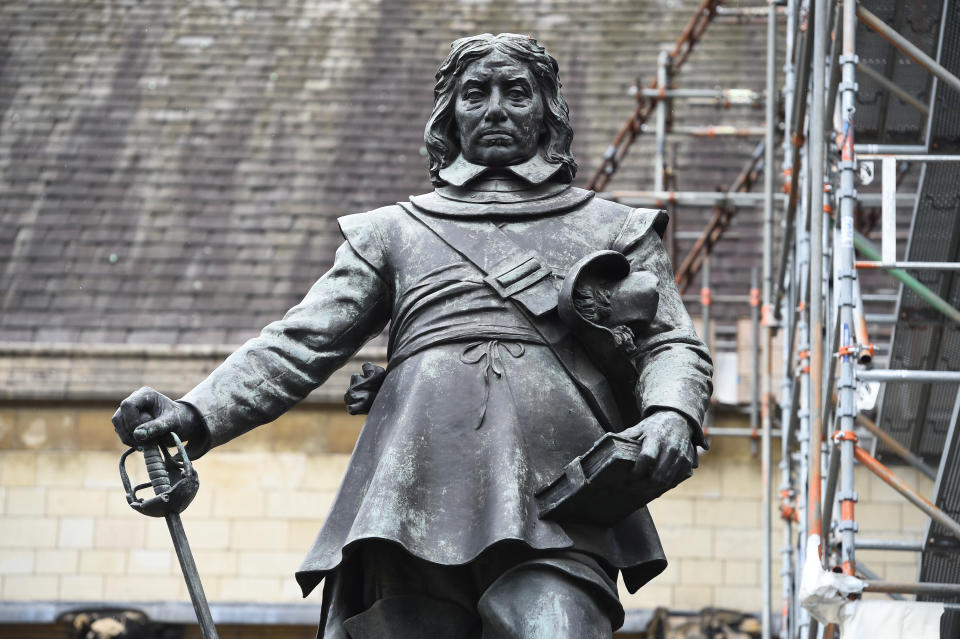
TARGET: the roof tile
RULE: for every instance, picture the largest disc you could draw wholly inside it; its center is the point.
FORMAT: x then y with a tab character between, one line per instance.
150	157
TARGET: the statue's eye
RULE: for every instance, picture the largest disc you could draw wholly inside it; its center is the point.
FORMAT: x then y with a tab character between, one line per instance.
517	93
473	94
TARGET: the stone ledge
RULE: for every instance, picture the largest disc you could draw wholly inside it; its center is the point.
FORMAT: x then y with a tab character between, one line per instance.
181	612
44	612
101	372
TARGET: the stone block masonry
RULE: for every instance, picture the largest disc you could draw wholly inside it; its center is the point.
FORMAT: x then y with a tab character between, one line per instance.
66	532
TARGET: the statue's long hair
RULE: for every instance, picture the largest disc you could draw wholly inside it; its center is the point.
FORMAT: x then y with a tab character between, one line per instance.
440	134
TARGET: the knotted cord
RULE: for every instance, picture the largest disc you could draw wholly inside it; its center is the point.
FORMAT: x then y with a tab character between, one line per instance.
488	352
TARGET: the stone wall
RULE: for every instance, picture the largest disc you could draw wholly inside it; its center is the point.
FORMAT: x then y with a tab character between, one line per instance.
66	532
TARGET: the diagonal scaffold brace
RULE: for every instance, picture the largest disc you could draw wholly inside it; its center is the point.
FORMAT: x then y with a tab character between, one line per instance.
175	484
645	105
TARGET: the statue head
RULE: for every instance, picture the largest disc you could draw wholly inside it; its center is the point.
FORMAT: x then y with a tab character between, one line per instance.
497	100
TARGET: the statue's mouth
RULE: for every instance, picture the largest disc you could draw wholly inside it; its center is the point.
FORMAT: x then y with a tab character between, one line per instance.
496	133
495	138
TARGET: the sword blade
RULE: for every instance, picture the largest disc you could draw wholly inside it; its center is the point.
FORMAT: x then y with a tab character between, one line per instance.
191	576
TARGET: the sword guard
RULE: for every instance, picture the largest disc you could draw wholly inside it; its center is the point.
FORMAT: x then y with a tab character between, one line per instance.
175	481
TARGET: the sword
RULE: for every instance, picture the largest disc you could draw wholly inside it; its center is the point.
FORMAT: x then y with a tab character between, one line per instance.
175	484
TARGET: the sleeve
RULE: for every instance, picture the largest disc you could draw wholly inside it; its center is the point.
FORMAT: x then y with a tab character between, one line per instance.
265	377
675	369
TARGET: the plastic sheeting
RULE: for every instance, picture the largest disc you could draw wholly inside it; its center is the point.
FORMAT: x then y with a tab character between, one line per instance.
824	593
826	596
891	619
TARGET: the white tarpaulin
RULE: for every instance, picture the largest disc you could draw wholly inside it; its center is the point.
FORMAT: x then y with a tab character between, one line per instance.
826	595
890	619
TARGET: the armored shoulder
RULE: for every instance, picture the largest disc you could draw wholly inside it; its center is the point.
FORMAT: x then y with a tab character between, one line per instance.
637	224
367	234
621	227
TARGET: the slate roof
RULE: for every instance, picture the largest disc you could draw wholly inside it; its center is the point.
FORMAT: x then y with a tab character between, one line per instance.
170	173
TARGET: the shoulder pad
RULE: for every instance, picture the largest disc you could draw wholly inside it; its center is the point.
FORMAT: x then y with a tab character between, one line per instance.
363	232
637	225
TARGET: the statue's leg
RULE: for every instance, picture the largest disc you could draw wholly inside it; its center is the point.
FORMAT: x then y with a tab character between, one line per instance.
412	617
550	599
384	592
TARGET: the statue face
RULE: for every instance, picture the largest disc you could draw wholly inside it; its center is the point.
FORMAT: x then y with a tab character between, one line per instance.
499	111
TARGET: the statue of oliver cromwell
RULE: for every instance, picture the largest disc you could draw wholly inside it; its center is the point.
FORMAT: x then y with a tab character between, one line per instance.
528	320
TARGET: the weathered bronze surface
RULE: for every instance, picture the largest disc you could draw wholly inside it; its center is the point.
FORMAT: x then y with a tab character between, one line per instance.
489	394
175	484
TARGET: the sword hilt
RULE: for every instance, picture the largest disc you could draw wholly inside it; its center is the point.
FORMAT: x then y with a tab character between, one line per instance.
174	480
156	468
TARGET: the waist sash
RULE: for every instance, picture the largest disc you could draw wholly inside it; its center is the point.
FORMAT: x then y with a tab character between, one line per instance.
521	278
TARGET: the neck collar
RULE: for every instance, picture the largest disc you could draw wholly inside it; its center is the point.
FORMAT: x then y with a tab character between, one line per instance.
536	170
437	203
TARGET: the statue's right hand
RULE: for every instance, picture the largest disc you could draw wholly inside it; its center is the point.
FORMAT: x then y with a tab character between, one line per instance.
147	415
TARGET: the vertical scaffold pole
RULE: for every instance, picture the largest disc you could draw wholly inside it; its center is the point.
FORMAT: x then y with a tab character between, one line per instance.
847	196
815	184
789	77
706	304
803	362
768	183
706	299
755	305
789	402
787	494
791	376
660	155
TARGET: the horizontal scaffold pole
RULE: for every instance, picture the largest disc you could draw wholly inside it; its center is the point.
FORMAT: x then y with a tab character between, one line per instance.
866	247
917	266
722	431
937	590
899	545
910	376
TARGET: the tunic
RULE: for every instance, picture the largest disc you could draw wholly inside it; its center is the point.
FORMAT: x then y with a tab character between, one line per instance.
475	413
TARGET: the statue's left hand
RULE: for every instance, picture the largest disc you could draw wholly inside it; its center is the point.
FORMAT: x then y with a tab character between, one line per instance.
668	456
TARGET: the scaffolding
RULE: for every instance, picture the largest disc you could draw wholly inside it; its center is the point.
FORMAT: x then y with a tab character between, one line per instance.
817	268
817	301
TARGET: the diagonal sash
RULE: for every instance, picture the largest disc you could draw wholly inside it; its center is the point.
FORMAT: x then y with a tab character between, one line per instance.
513	272
519	275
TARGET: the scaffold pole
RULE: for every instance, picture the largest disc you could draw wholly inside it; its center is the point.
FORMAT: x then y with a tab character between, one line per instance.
767	316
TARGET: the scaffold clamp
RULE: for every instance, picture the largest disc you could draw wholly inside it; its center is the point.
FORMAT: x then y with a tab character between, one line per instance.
851	495
845	435
850	349
857	350
847	526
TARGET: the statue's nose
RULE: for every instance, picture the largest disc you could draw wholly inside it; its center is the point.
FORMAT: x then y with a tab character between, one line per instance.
495	111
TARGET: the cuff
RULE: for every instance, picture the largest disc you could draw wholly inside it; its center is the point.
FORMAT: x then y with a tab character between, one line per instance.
199	444
696	431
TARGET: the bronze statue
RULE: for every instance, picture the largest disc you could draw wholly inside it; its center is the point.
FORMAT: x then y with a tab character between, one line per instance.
528	320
